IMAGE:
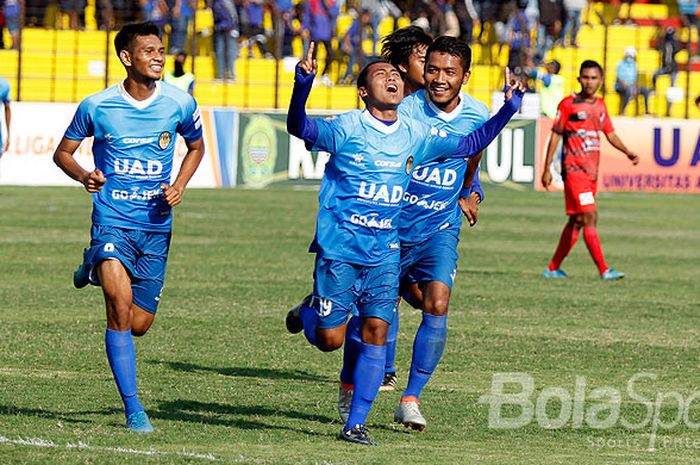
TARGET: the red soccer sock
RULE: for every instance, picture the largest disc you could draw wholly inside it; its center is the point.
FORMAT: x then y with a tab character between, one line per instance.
568	238
590	235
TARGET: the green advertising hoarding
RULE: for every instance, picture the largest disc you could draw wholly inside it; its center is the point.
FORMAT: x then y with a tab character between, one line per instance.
510	159
268	155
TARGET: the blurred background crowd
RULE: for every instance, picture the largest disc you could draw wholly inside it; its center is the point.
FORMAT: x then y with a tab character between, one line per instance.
520	33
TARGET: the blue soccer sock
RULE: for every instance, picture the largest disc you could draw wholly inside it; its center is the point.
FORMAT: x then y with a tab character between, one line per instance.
391	336
309	317
427	351
369	373
122	359
351	350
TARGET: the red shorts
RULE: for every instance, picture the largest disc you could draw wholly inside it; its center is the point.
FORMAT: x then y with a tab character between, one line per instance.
579	192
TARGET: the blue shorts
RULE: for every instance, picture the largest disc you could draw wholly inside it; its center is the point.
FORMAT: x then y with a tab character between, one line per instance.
435	259
341	288
144	255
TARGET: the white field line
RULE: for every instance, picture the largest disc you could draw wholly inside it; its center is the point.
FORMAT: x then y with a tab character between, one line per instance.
39	442
48	374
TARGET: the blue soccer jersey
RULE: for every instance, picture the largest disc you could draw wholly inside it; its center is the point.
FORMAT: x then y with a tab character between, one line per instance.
4	98
430	201
365	180
134	145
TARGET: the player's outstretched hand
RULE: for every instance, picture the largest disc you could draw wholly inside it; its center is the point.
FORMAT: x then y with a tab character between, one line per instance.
171	194
512	85
308	65
633	157
470	208
546	179
94	181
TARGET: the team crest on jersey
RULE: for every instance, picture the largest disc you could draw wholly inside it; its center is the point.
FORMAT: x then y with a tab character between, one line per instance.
164	140
409	164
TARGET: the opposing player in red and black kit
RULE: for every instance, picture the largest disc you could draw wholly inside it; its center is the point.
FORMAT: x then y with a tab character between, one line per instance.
580	118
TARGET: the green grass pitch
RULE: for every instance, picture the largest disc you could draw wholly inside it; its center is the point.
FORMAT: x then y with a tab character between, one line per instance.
224	383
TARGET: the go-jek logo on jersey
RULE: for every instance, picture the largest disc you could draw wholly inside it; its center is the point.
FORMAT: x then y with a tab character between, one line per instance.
137	194
371	221
424	202
137	168
433	175
380	193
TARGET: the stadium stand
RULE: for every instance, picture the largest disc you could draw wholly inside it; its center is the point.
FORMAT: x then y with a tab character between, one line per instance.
66	65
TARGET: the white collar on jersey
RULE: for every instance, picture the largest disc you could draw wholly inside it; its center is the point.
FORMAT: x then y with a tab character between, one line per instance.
378	125
443	115
139	104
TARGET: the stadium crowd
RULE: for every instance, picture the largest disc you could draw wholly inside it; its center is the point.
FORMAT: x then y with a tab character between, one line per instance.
530	27
524	30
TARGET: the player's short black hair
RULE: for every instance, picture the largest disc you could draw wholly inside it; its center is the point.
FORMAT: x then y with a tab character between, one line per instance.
452	46
556	65
129	32
398	46
362	77
590	64
697	100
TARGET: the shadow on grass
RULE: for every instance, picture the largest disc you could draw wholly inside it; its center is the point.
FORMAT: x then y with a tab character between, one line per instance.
68	417
246	372
220	415
213	414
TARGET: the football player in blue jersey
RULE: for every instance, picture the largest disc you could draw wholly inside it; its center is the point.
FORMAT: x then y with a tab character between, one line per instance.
134	125
405	49
430	219
356	243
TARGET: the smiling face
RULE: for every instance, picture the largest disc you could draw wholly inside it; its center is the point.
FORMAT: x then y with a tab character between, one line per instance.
145	58
590	79
444	78
383	88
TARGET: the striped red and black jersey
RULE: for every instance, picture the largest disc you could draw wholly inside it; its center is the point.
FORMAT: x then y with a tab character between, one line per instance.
580	121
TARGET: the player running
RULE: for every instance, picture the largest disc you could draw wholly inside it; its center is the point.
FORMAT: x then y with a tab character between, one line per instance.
356	243
430	222
579	119
134	124
406	49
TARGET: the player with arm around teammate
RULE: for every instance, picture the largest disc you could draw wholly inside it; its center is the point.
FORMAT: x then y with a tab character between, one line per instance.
580	119
134	125
430	219
406	49
356	241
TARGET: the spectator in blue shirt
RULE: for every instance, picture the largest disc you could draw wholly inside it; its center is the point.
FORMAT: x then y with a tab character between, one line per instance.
181	14
689	14
626	81
520	44
11	12
255	29
319	26
352	45
226	33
